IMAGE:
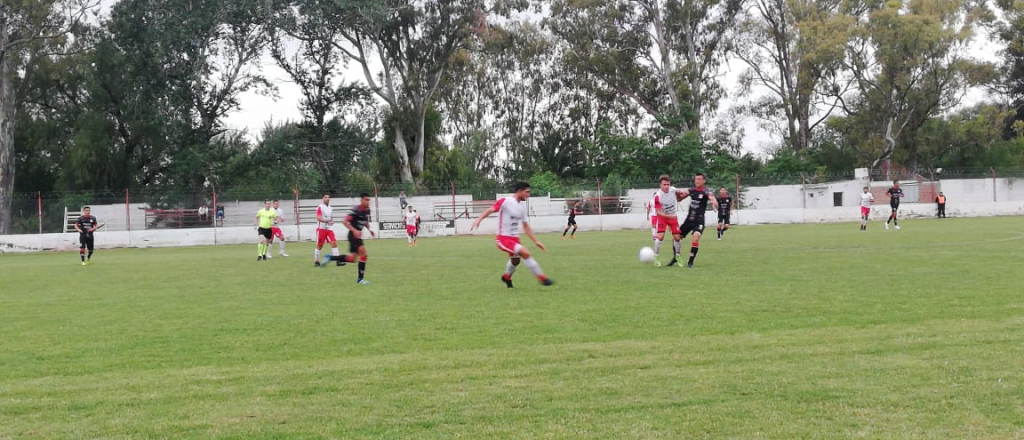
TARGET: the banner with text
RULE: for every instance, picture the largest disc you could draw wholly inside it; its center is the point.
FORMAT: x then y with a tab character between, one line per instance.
430	228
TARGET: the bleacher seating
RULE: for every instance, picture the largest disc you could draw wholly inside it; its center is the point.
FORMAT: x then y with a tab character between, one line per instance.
471	209
177	218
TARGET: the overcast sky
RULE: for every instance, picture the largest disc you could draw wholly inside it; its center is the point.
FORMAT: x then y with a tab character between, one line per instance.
256	109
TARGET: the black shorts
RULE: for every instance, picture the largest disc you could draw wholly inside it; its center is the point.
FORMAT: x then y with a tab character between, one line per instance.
267	233
695	226
86	240
724	219
354	243
894	206
572	222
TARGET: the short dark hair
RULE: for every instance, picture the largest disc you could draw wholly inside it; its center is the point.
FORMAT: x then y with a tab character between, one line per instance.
266	201
326	194
896	182
701	175
519	186
664	178
85	207
275	201
865	187
364	195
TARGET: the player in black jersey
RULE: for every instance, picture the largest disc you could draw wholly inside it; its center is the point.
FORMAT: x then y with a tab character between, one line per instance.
86	225
357	220
699	196
724	211
572	221
895	194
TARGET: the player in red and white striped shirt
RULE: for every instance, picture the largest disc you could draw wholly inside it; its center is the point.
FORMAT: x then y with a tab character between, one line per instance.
512	216
324	233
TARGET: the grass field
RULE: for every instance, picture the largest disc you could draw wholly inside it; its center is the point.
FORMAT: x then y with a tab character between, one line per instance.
779	332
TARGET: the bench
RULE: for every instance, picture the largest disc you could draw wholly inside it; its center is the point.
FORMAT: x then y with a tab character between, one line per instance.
177	218
471	209
608	205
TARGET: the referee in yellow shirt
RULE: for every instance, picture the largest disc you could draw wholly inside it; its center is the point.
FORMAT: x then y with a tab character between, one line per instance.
265	228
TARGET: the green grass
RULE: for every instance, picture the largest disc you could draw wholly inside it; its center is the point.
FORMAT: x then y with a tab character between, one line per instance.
780	332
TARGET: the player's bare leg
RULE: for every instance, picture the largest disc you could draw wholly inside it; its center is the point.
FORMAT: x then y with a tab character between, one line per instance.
266	249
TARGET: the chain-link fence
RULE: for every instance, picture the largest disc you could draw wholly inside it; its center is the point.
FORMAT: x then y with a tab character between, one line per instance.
155	208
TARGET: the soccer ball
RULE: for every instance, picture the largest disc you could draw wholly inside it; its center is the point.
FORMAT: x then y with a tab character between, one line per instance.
646	255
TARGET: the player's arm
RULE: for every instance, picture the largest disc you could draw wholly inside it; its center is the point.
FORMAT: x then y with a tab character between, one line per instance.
95	225
348	224
256	223
483	215
78	226
529	233
714	202
323	219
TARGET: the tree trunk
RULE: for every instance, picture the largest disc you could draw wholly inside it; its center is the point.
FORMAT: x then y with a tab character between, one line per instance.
8	111
421	147
403	155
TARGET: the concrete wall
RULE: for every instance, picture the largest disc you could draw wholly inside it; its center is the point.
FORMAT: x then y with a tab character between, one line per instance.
540	224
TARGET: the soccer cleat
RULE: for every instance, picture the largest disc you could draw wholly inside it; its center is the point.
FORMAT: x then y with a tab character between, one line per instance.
719	238
897	226
507	281
563	237
266	256
572	237
886	226
259	258
83	263
327	259
657	263
88	262
362	281
689	266
284	255
339	262
547	282
316	264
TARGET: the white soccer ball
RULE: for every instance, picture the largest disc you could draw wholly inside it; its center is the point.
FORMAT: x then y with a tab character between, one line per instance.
646	255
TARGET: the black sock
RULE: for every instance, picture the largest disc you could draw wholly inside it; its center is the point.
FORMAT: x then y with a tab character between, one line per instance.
693	254
90	254
81	253
565	231
362	269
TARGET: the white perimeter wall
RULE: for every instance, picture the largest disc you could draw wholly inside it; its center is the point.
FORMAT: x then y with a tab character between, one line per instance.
966	198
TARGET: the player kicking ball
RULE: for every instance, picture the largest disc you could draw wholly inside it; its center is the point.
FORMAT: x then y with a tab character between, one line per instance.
511	217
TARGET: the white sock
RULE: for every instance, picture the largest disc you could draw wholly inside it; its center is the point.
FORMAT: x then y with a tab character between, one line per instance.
510	268
657	247
533	266
334	252
316	256
677	246
280	246
409	237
